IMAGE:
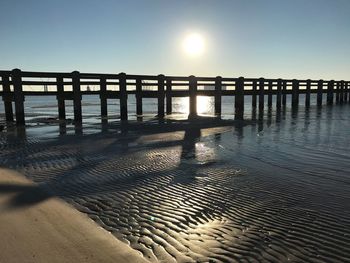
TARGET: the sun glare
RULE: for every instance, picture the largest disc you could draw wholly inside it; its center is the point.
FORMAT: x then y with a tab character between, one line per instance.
194	44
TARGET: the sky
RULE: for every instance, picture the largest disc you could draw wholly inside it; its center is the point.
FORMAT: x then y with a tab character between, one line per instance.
249	38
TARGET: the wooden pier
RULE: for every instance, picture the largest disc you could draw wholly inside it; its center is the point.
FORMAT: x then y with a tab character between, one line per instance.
68	86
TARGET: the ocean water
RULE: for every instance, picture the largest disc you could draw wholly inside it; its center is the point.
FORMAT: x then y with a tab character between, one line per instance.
41	107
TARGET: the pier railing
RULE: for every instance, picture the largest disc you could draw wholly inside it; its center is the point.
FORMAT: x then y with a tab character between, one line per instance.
68	86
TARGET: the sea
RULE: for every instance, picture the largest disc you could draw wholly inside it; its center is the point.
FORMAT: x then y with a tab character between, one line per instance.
39	108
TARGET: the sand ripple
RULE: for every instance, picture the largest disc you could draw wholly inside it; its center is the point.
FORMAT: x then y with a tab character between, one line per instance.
208	199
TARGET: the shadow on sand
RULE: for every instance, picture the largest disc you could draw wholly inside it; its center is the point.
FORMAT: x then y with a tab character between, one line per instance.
27	195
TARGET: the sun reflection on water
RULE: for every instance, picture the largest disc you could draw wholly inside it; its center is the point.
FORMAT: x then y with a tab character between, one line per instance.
205	105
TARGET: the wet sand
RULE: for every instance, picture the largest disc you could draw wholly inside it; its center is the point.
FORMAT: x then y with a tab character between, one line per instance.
273	191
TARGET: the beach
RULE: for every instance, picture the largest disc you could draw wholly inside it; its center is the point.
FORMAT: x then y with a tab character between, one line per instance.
272	190
174	131
37	227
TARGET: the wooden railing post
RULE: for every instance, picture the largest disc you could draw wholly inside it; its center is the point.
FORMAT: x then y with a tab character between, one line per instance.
261	93
76	96
330	90
279	94
123	97
239	99
217	98
337	91
103	96
139	110
319	92
18	96
193	96
169	108
342	91
295	93
284	93
7	97
308	92
269	97
161	96
60	99
254	86
345	91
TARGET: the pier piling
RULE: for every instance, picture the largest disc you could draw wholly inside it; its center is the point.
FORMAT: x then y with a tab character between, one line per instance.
193	96
254	87
330	90
60	99
18	96
284	93
103	97
279	93
269	97
123	96
161	96
217	98
346	91
76	96
139	110
337	91
239	99
308	92
295	93
168	97
261	93
7	97
341	91
319	92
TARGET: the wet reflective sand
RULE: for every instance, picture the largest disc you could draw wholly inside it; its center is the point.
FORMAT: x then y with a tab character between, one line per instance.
271	190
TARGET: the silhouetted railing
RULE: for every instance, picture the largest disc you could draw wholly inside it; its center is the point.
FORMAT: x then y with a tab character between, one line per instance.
67	86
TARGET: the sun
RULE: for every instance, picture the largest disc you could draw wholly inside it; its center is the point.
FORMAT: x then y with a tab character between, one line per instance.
193	44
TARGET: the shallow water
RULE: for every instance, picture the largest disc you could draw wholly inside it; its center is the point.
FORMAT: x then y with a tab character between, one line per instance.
274	190
42	107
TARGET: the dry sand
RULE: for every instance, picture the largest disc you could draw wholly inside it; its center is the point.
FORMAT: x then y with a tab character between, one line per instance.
51	230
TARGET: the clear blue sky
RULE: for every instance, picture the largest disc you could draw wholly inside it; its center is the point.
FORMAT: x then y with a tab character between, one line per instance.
252	38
